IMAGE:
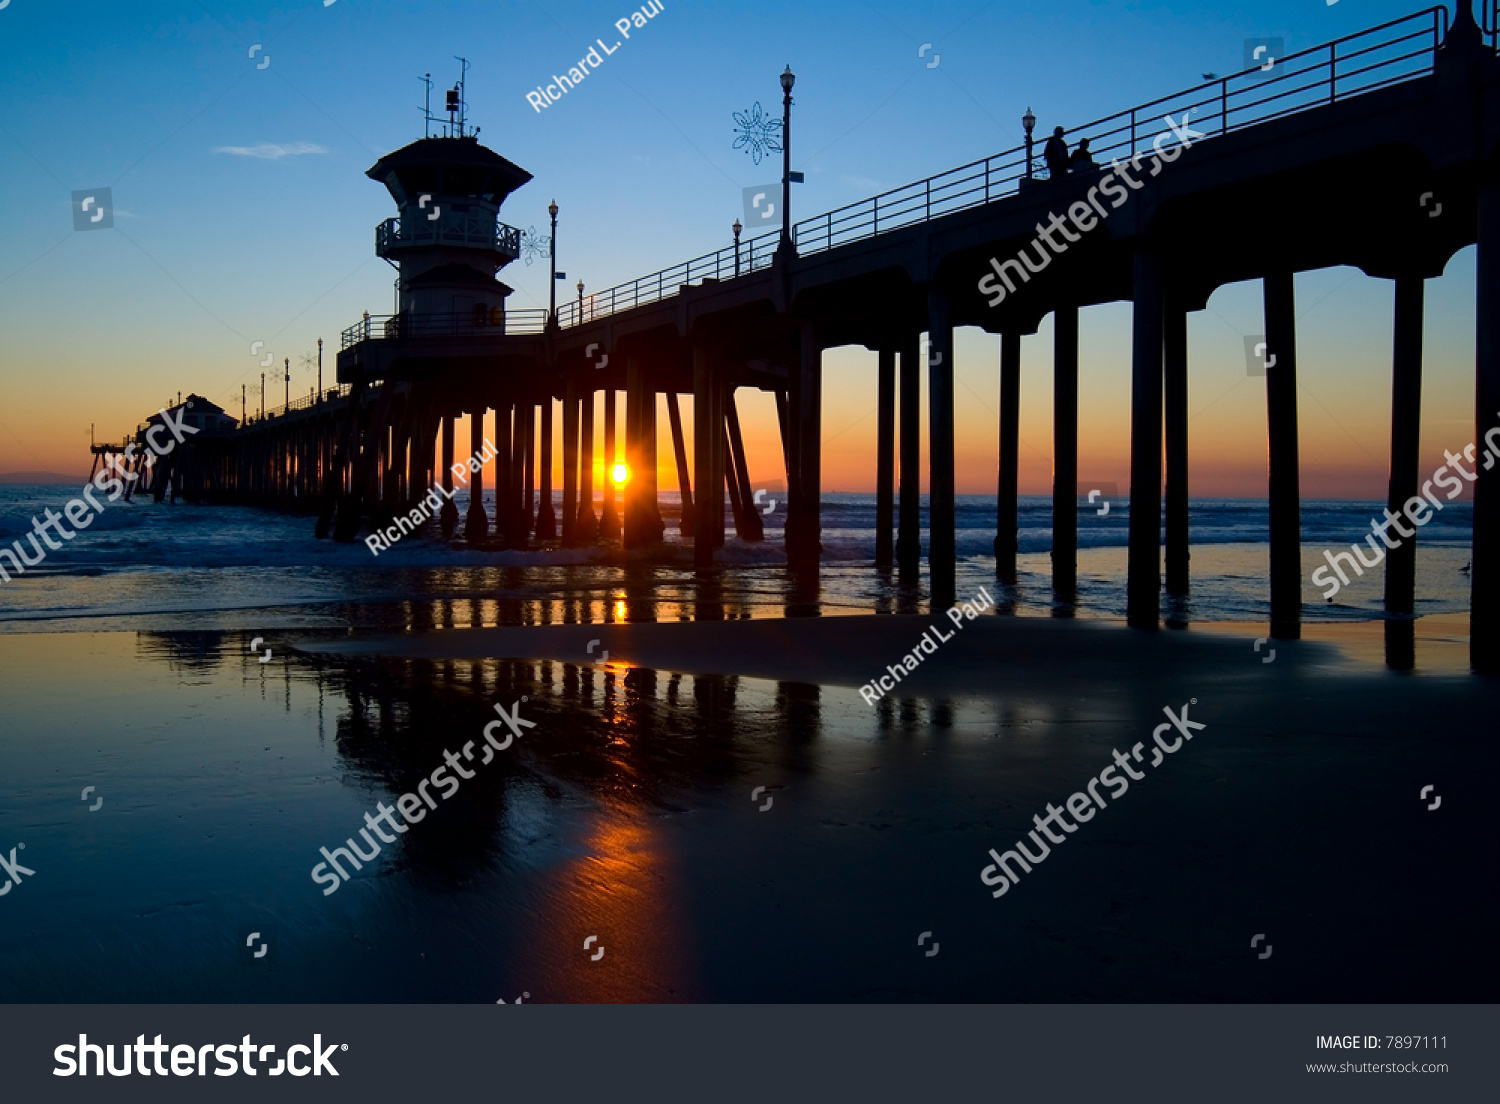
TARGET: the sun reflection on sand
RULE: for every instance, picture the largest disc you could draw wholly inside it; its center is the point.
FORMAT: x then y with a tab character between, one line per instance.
626	890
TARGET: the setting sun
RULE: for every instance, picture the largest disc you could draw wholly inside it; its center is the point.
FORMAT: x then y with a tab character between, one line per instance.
619	473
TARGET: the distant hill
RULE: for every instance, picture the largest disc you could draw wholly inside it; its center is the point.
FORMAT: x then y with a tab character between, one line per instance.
42	477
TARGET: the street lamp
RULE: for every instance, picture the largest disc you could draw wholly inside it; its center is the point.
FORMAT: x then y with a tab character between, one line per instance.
787	80
320	369
736	228
1028	121
552	248
580	302
286	364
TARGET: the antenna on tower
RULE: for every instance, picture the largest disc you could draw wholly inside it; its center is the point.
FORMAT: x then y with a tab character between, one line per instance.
458	108
427	106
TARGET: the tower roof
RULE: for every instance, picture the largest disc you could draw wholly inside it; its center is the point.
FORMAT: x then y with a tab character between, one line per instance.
448	166
450	275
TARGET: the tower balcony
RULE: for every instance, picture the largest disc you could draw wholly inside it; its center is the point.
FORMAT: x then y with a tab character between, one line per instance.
484	233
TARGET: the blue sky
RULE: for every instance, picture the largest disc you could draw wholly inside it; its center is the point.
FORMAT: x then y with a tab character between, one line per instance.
242	211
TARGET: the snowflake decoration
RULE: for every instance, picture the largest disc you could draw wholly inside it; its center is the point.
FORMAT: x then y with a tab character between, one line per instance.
758	133
534	246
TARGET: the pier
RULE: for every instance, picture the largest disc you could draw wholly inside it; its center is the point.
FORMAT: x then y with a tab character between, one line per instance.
1335	158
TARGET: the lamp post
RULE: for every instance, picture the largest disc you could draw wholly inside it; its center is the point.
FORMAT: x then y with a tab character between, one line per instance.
580	302
320	369
787	80
286	365
1028	122
736	228
552	249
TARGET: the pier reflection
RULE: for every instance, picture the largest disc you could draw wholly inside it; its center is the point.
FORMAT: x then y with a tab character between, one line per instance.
1400	643
614	750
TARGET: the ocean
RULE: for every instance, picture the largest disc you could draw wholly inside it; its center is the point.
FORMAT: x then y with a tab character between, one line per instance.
162	567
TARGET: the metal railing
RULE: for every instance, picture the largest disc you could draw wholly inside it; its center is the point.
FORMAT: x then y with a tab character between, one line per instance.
527	320
482	233
1390	53
1346	67
753	255
306	402
372	325
481	320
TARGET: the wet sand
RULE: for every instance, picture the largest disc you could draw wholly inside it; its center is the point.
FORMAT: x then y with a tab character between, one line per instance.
633	813
1296	814
988	655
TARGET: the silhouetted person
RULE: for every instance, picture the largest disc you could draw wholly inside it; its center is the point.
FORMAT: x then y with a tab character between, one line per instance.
1056	153
1082	160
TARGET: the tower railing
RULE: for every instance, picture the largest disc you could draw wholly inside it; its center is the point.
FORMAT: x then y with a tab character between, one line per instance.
480	233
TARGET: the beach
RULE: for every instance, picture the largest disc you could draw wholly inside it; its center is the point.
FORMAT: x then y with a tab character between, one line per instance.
946	578
742	785
636	812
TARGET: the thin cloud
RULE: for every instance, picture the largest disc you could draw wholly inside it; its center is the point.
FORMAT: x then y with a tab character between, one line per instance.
272	151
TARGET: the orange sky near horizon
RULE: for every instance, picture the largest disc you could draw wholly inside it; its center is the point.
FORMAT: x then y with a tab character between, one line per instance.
1344	397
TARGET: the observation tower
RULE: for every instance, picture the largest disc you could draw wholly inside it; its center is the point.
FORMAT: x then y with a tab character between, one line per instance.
447	241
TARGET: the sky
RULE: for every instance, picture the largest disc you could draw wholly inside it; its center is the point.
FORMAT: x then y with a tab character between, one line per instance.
234	137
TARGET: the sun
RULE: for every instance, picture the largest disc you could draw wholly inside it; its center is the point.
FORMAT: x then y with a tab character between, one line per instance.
619	473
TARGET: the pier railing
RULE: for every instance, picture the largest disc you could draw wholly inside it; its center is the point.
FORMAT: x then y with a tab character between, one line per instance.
526	320
306	402
724	264
1400	50
485	319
